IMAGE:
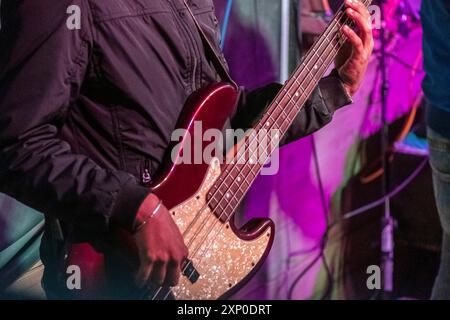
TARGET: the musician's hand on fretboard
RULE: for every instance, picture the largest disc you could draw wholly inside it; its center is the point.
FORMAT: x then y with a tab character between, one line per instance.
353	58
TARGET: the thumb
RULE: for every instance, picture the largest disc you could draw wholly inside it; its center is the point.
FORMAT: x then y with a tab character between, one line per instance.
143	274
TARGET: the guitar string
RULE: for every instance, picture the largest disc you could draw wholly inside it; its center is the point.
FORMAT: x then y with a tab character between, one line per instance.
197	217
230	204
196	251
227	175
224	178
290	101
200	247
290	86
251	171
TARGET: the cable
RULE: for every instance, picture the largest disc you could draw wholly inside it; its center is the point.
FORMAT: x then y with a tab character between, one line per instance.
304	251
226	20
403	63
355	213
368	108
381	201
323	197
305	271
301	275
324	240
346	216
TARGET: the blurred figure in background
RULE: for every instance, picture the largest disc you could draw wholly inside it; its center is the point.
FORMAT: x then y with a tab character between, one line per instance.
436	49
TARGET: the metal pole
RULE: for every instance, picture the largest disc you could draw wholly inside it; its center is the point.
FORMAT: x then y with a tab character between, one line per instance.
285	36
387	236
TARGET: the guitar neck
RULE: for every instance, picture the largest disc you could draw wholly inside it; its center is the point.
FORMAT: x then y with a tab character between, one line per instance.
296	91
239	176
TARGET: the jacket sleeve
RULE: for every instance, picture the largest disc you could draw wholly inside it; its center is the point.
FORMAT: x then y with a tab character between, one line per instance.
42	64
318	111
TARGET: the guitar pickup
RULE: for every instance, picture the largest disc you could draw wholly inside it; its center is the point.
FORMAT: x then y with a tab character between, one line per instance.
190	272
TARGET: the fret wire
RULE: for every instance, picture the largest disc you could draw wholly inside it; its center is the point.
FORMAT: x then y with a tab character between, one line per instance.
283	111
233	195
299	87
307	69
270	117
319	70
278	104
250	174
219	205
287	92
319	58
368	2
336	35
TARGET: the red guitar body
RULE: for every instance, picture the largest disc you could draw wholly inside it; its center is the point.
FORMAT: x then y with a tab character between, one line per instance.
223	262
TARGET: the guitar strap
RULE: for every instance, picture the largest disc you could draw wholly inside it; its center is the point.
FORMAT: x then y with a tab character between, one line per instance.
209	48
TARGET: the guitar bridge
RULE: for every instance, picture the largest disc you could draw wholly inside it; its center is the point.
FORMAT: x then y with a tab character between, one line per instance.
190	272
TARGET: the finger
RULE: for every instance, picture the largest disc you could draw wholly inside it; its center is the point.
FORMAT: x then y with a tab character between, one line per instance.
343	55
364	26
158	275
359	7
173	274
354	39
143	274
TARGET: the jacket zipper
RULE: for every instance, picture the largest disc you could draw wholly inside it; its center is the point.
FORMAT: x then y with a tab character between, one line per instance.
146	177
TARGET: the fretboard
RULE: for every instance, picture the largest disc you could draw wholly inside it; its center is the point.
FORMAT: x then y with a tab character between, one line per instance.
237	177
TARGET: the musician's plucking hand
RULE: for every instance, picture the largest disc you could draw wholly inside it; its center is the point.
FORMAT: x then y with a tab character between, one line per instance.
160	245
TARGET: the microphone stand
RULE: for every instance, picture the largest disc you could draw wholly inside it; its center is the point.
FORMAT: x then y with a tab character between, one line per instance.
387	222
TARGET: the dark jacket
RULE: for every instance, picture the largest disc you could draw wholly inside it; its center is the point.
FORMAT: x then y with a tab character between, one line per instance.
436	52
84	112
